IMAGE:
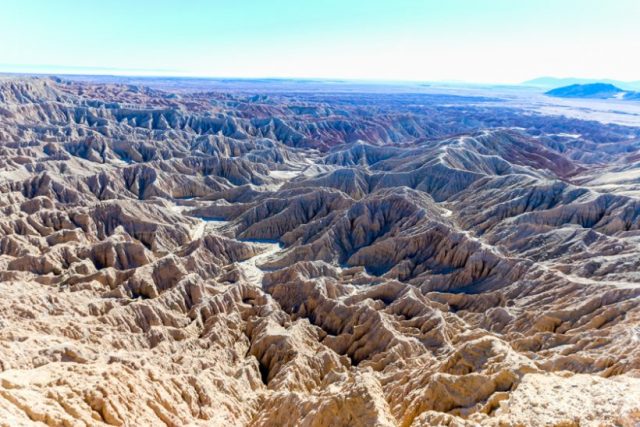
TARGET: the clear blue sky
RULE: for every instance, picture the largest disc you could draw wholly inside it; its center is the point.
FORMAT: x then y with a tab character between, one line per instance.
471	40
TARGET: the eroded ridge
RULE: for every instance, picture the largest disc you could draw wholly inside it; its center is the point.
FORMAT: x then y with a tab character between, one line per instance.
322	259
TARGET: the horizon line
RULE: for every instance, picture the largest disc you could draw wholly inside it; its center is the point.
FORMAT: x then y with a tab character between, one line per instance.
75	70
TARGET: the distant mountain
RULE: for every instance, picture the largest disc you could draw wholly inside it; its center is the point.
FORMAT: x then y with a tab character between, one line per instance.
594	91
554	82
591	90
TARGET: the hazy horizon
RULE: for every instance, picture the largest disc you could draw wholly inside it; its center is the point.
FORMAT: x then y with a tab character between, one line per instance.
44	70
494	41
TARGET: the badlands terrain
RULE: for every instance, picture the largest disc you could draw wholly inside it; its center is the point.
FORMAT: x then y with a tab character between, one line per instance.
177	256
